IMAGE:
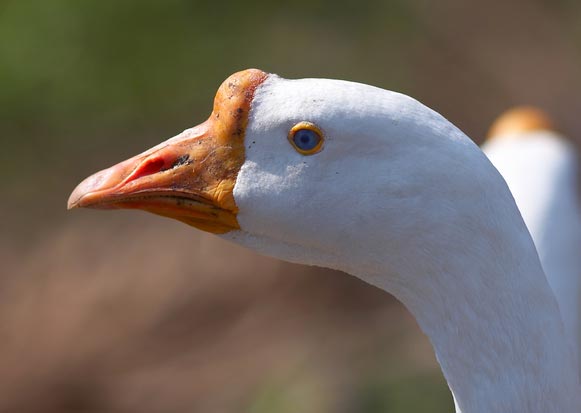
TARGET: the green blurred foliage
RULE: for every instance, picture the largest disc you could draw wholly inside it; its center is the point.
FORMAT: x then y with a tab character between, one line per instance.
375	392
64	60
82	80
404	393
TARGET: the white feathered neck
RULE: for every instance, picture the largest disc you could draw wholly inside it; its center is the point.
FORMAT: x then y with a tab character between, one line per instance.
402	199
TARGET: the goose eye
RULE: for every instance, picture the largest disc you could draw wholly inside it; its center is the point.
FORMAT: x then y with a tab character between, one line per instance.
306	138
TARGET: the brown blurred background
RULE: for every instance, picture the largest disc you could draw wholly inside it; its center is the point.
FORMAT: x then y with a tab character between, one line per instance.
126	312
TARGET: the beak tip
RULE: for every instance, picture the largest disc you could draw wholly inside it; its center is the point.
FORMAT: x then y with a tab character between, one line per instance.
87	186
72	203
74	200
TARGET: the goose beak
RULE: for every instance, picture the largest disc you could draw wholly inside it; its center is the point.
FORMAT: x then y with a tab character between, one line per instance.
187	178
190	177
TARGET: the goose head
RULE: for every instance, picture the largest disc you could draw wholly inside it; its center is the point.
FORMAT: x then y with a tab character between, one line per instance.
317	171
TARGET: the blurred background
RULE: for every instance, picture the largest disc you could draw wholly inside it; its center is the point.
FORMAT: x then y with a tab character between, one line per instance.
127	312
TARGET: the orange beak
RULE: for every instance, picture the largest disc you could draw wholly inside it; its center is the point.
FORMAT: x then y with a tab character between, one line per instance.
190	177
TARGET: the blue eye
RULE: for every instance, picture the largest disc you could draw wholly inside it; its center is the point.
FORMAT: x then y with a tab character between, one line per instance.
306	138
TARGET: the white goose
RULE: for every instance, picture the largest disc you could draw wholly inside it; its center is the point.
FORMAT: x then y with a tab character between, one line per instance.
540	168
371	182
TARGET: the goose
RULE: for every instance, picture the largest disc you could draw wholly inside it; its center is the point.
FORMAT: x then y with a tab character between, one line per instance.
540	168
371	182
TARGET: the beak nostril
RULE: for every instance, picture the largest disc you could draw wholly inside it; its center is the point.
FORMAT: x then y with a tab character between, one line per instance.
148	167
184	159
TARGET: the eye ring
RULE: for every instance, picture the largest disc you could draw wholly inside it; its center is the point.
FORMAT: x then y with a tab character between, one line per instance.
306	138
